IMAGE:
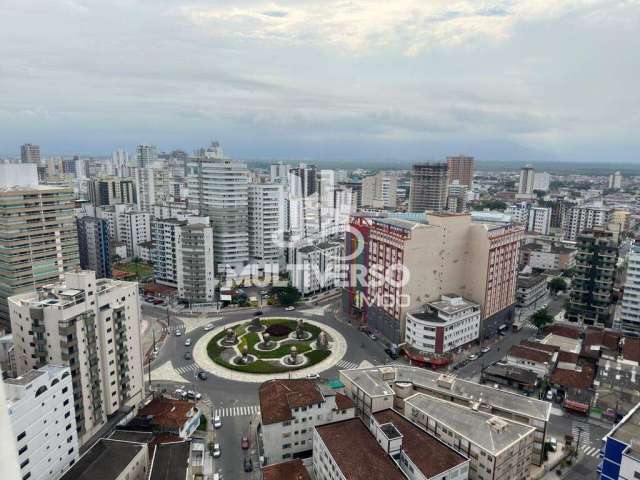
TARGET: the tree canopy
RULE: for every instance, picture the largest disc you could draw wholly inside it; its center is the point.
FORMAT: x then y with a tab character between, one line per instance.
286	296
541	318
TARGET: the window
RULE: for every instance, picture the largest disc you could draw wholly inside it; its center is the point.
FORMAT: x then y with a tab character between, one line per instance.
22	450
24	464
21	436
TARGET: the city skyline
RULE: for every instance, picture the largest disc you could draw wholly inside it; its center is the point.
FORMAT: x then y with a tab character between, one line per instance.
414	81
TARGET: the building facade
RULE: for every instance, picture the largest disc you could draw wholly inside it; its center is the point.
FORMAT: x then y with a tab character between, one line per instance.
629	317
380	190
40	407
93	246
267	214
580	219
91	326
526	183
112	191
462	169
30	153
146	156
315	268
539	220
429	183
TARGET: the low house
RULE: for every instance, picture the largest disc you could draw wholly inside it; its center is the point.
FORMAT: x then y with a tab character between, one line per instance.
531	359
575	384
165	415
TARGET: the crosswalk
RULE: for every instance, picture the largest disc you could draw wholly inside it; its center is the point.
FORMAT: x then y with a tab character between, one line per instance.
237	411
187	368
590	451
580	431
346	365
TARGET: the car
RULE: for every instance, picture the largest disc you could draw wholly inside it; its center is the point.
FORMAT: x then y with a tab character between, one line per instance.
178	333
202	375
149	299
549	396
187	342
313	376
157	301
217	422
193	395
485	349
179	392
553	444
289	308
258	312
187	356
244	443
373	337
217	476
455	367
264	292
216	450
208	326
472	357
248	464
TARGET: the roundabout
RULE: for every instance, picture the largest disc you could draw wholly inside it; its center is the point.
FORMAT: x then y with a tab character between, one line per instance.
266	348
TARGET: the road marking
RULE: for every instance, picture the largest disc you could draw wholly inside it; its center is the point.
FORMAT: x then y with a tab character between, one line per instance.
238	411
187	368
346	365
591	451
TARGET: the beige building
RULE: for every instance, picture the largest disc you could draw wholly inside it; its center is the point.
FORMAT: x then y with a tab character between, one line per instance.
92	326
461	168
498	449
619	221
380	190
38	239
412	263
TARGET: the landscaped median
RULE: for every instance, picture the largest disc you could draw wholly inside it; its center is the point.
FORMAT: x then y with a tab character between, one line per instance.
275	345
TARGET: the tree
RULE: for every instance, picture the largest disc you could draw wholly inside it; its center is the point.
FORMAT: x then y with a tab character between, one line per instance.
557	284
286	296
541	318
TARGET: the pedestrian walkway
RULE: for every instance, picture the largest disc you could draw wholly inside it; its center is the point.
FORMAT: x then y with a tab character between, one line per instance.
238	411
346	365
580	432
590	451
187	368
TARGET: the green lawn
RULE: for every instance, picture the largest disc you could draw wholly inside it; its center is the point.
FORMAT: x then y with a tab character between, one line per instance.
140	269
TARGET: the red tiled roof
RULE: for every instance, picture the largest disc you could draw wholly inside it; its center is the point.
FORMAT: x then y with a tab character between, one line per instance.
167	412
343	402
631	349
540	346
570	378
563	331
530	354
568	357
279	397
430	455
597	336
292	470
356	452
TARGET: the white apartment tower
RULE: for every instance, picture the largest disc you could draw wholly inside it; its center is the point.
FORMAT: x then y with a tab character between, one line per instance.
40	407
380	190
218	188
266	227
615	180
146	156
93	327
539	220
541	181
630	311
527	179
30	153
153	186
580	219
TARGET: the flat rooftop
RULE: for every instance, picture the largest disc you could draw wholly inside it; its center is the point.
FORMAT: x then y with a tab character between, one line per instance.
25	378
371	381
292	470
628	428
170	461
356	452
429	454
492	433
104	461
132	436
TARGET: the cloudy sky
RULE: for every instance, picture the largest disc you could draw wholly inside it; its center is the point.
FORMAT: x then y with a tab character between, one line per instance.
335	79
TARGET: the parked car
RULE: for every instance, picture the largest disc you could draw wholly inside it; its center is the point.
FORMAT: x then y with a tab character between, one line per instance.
553	444
193	395
248	464
289	308
549	396
313	376
187	356
178	332
393	354
472	357
208	326
179	392
202	375
264	292
373	337
485	349
244	443
187	342
216	450
258	312
217	476
157	301
217	422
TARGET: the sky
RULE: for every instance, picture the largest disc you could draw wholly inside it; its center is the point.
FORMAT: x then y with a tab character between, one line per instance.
381	80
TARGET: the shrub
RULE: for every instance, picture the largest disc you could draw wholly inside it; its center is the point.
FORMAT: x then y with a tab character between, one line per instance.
278	330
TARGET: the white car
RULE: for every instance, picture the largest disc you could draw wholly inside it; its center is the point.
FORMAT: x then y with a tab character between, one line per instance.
217	421
313	376
485	350
550	396
193	395
178	333
187	342
553	444
208	326
289	308
216	450
180	392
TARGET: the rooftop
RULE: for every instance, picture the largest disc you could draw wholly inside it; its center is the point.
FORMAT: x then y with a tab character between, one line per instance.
401	223
530	281
631	349
372	382
170	461
25	378
568	331
430	455
567	378
167	412
493	434
511	372
356	452
540	346
531	354
132	436
104	461
628	428
291	470
279	397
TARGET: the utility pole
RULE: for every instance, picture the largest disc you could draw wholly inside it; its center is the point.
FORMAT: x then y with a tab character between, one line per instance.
578	444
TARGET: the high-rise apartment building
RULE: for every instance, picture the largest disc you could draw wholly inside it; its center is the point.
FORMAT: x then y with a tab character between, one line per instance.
93	246
462	169
38	239
429	183
539	220
630	309
592	284
584	218
266	227
40	405
279	172
457	197
615	181
30	153
146	156
411	263
526	183
120	163
218	188
380	190
541	181
153	185
112	191
134	229
183	256
93	327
